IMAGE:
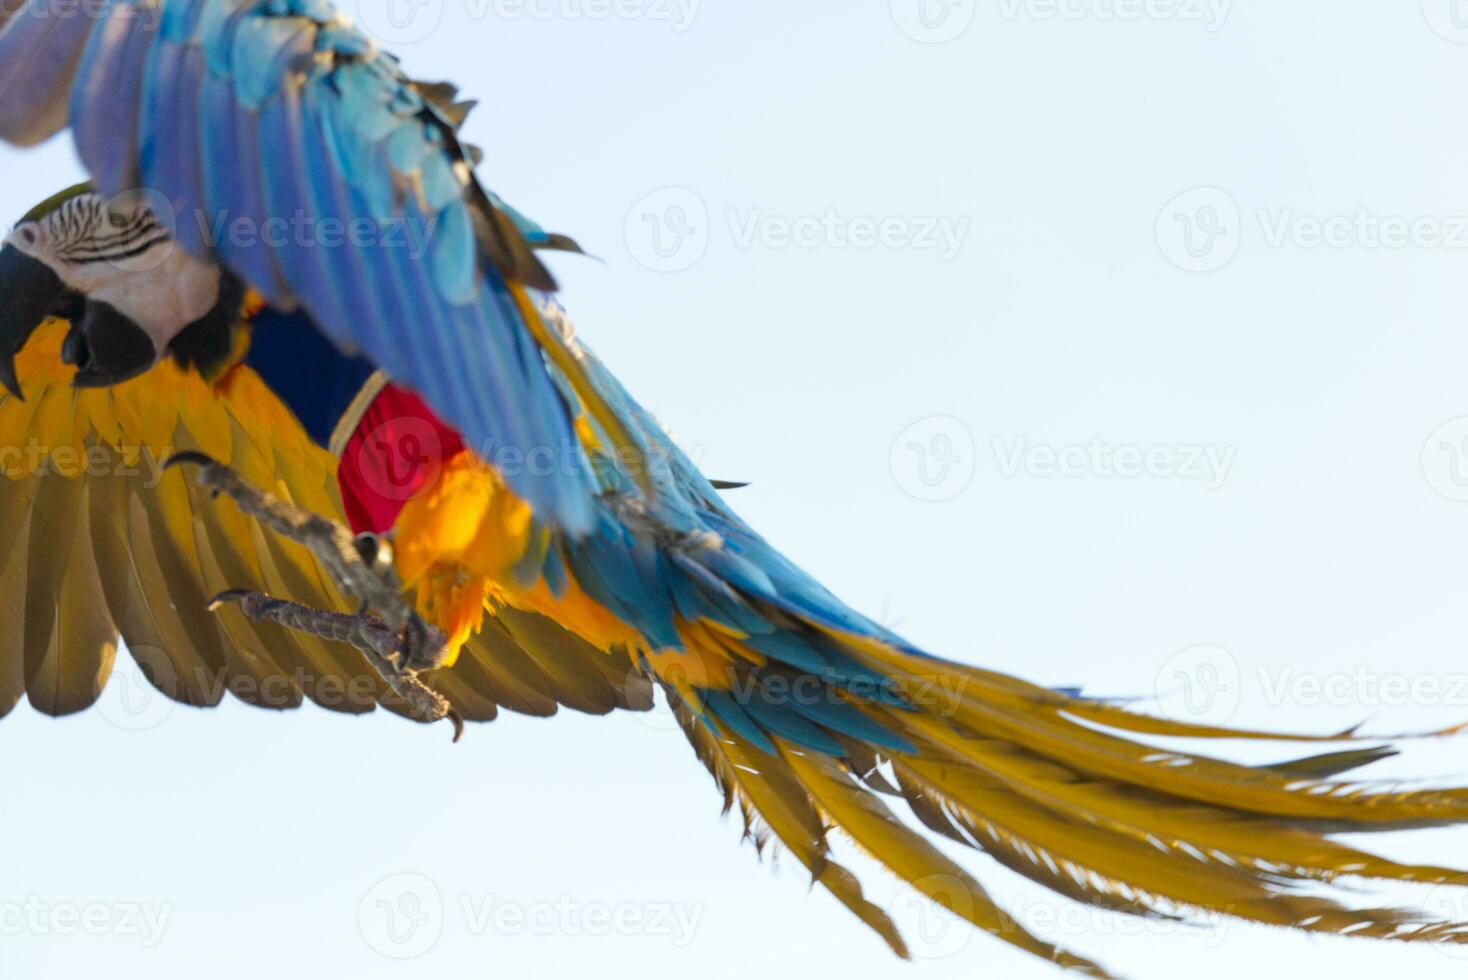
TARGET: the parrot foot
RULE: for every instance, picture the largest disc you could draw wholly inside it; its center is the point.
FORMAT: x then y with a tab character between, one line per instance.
379	643
360	565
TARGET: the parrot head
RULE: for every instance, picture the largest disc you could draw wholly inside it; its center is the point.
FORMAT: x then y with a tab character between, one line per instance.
110	268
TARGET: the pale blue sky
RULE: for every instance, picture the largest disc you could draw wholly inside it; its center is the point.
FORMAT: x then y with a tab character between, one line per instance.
1291	537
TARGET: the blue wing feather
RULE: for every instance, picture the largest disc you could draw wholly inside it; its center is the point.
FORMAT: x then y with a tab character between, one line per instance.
39	48
730	713
112	68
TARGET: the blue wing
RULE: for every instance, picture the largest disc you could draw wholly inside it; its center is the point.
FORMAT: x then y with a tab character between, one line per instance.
295	153
241	109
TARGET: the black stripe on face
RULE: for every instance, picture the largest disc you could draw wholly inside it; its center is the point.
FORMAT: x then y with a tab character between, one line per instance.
136	227
88	257
86	232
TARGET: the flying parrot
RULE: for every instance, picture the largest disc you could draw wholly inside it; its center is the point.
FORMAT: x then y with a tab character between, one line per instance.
380	467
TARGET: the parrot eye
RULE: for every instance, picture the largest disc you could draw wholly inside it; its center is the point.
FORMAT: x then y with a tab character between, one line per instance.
28	234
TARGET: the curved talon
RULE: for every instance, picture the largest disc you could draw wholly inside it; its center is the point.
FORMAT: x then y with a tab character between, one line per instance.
229	595
397	642
190	456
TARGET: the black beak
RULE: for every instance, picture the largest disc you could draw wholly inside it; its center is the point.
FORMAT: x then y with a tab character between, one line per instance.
28	291
106	347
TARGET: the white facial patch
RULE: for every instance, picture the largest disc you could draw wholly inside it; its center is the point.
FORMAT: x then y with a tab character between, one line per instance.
162	299
117	253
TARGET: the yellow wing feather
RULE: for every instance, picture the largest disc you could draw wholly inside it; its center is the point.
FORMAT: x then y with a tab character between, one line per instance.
99	545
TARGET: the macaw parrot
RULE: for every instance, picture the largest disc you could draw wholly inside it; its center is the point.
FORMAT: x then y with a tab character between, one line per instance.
402	479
